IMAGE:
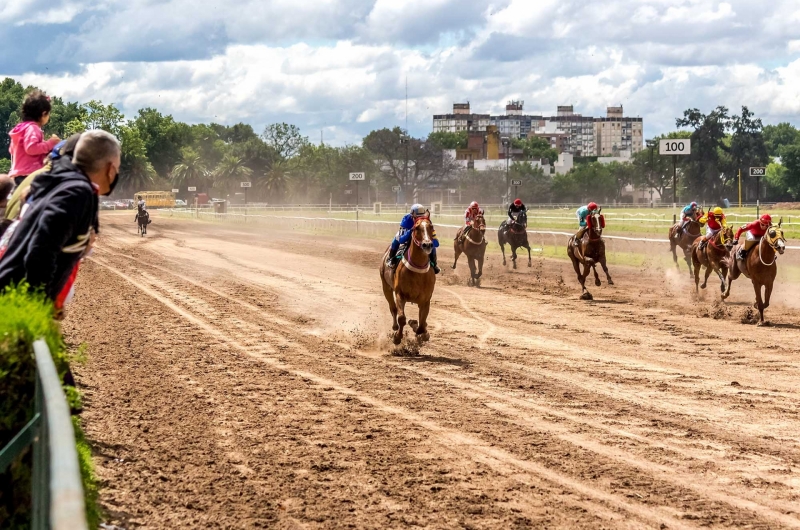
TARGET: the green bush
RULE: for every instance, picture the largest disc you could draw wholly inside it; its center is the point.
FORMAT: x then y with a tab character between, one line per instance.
25	317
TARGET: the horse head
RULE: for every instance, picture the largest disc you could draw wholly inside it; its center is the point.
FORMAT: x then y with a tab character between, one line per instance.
597	223
726	237
422	234
775	237
479	223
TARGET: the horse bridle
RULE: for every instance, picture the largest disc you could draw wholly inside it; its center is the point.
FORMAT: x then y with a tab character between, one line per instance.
476	228
772	242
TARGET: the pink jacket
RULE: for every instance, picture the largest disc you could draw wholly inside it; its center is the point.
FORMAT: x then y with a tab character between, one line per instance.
28	148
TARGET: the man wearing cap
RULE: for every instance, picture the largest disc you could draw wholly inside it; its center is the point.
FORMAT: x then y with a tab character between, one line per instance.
515	208
755	231
582	213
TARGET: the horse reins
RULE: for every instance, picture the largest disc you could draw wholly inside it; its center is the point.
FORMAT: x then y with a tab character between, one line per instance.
773	248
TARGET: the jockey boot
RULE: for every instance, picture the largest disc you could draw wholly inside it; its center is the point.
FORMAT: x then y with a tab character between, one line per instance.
434	260
741	253
703	244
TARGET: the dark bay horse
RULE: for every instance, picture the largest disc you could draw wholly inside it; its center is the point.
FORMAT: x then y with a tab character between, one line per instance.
514	232
712	258
142	220
473	246
411	282
687	237
590	251
760	265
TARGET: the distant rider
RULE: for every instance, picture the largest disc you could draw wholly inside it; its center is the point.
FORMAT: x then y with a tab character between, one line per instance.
690	213
714	221
470	214
582	213
516	208
403	236
755	231
141	204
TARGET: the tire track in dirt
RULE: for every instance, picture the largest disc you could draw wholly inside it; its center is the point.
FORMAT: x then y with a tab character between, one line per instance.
743	503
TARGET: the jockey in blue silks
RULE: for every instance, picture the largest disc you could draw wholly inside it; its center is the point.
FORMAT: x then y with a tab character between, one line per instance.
403	236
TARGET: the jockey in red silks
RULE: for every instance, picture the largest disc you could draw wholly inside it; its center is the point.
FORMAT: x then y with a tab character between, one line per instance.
755	231
473	211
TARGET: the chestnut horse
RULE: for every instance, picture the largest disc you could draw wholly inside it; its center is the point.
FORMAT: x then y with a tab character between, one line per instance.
712	258
515	233
590	251
412	281
759	265
688	236
472	245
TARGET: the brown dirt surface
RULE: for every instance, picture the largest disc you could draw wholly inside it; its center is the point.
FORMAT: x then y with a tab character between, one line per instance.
242	377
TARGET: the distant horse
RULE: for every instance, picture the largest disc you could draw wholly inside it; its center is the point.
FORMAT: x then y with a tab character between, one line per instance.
472	245
142	220
712	258
514	233
760	266
687	237
590	251
412	281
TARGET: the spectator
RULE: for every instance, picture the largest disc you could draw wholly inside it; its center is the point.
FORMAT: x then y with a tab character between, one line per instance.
58	226
28	147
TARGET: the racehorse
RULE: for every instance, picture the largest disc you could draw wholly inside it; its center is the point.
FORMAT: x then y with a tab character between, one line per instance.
473	245
515	234
590	251
759	265
688	236
712	258
412	281
142	220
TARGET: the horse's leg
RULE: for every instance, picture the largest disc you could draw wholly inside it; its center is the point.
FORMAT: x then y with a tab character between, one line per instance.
502	247
709	270
422	328
513	256
759	301
605	267
472	269
674	248
582	278
457	251
767	294
401	317
389	295
528	248
596	276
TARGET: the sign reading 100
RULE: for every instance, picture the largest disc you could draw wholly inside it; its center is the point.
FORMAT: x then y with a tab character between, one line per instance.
674	147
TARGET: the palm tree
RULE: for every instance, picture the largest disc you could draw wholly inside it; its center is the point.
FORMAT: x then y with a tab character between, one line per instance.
229	170
274	182
191	169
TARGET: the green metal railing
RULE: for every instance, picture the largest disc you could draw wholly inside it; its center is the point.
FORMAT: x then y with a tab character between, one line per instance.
58	501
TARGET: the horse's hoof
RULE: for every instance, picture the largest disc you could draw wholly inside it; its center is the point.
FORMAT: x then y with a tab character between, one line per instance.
395	327
703	286
397	338
530	264
587	296
423	337
413	324
597	283
610	281
765	323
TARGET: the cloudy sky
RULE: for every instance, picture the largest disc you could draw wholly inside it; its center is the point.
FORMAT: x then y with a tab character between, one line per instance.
341	65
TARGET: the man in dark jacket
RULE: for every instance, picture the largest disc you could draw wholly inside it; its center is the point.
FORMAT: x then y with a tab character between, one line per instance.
59	220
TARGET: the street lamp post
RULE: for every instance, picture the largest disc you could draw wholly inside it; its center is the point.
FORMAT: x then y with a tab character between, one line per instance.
404	141
651	144
507	144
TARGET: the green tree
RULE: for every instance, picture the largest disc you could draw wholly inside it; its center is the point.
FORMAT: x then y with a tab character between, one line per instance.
790	159
777	185
230	171
284	139
62	116
747	149
163	138
11	96
106	117
135	172
536	186
448	140
190	171
5	165
703	170
585	182
536	148
778	136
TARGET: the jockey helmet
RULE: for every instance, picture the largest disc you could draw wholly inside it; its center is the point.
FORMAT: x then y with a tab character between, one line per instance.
717	211
693	205
517	203
766	219
407	222
474	205
592	206
418	210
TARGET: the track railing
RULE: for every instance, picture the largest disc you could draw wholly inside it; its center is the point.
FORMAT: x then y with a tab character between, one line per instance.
57	490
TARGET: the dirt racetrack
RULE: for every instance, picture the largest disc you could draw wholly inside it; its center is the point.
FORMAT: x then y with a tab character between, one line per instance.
241	378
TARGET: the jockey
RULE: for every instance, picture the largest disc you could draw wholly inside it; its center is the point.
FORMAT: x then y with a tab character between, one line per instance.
714	221
755	231
688	215
473	211
515	208
403	236
582	213
141	204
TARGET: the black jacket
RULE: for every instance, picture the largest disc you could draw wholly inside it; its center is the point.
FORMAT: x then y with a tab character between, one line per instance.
514	209
55	231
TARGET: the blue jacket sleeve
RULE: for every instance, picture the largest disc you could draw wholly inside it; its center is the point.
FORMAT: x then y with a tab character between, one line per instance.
405	238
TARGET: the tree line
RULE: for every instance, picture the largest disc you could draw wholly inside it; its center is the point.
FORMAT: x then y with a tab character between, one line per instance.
160	153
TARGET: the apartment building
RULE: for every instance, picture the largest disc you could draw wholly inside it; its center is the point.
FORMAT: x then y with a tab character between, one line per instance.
567	131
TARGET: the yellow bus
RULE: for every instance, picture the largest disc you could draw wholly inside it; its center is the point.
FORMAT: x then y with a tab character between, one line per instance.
156	199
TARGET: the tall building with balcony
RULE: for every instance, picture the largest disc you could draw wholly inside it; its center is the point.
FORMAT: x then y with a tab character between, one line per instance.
461	120
616	133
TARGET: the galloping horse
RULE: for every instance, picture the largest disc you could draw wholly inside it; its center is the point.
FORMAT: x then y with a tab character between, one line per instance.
688	236
474	247
142	220
590	251
412	281
515	234
759	265
712	258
